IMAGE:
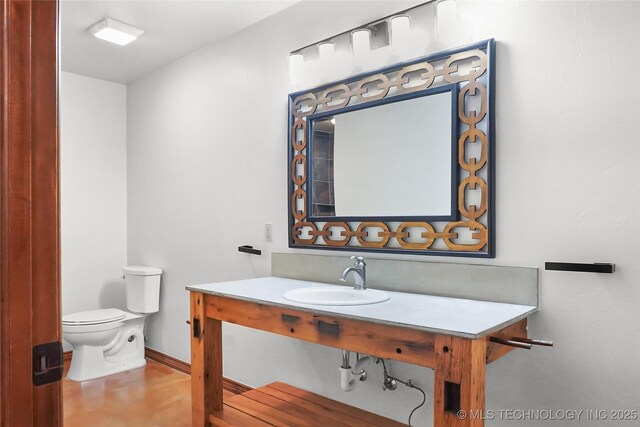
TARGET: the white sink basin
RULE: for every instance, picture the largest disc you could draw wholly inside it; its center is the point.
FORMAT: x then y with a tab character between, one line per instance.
335	295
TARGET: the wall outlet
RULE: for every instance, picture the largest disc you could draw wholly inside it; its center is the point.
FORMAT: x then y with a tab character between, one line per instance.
268	232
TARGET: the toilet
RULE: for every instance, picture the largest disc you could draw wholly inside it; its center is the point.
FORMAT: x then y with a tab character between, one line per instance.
108	341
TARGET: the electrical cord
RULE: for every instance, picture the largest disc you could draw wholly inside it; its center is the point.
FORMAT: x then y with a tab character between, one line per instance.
409	383
424	398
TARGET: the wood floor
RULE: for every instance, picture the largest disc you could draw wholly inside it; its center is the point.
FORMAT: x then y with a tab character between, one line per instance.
160	396
155	396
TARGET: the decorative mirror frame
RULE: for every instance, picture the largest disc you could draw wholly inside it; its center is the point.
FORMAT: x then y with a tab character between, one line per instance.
407	236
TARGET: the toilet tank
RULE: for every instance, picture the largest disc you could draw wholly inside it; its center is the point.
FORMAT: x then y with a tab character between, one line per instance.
143	288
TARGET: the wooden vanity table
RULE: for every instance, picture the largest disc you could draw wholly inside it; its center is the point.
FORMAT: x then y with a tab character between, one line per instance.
458	357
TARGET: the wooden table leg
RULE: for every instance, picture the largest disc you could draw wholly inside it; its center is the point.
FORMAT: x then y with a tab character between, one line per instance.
206	363
459	382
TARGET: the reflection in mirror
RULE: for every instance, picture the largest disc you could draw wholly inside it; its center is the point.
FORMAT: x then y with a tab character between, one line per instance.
390	160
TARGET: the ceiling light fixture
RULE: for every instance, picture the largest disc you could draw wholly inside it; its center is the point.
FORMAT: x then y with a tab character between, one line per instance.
115	32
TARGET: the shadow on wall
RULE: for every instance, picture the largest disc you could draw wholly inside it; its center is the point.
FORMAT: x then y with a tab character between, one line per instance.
113	294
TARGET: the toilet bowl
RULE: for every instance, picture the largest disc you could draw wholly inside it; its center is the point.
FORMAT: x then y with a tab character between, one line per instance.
108	341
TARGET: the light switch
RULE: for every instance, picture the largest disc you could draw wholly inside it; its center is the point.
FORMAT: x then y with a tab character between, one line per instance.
268	232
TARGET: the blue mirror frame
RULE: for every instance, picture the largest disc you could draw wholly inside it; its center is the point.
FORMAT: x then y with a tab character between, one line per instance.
471	231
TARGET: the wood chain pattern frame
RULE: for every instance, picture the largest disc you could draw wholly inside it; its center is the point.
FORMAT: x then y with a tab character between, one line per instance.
473	232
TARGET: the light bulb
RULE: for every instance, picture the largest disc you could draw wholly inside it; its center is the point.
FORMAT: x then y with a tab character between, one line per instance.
400	29
361	42
326	50
296	64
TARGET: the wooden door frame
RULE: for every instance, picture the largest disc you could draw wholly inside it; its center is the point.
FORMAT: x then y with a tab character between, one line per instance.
29	208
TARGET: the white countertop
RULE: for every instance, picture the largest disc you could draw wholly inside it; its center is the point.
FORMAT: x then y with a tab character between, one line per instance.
451	316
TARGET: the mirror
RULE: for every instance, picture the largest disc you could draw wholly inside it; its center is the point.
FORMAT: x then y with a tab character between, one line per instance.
397	160
388	160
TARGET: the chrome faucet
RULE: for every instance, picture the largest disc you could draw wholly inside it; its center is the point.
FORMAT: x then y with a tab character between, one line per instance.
359	274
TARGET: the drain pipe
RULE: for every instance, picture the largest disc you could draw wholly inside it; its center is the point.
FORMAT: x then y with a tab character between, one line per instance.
349	375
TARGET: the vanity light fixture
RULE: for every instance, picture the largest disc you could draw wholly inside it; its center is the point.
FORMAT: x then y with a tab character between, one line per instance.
369	43
115	31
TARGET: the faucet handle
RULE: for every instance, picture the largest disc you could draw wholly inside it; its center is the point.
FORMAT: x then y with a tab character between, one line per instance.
359	260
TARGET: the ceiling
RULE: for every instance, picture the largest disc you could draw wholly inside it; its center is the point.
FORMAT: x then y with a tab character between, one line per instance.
172	29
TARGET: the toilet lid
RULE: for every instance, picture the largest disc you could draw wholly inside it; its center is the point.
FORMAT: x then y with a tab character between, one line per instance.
93	317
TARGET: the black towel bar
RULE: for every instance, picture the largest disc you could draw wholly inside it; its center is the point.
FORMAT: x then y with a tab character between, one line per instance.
249	250
603	267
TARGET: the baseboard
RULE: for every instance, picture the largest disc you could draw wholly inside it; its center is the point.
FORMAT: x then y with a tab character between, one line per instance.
182	366
165	359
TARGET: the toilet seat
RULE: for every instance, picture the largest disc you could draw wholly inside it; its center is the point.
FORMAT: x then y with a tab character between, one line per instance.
93	317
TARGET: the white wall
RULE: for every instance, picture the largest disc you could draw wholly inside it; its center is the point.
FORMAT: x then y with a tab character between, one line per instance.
93	191
207	168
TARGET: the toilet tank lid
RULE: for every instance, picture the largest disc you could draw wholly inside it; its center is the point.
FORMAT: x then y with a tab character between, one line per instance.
141	270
